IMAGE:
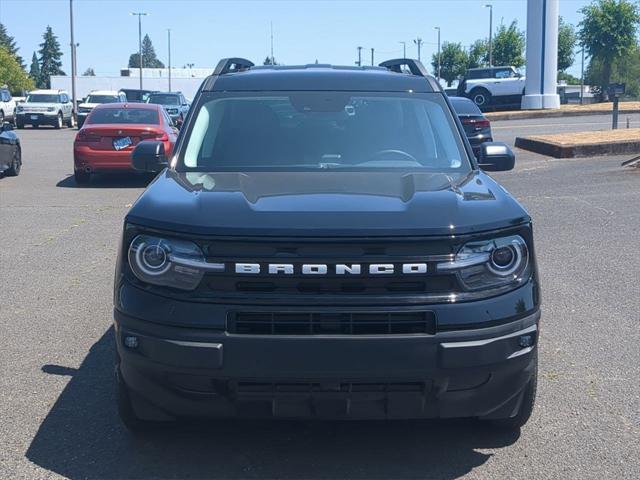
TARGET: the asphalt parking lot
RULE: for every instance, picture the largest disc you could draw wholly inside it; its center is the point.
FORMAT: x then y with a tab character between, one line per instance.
57	405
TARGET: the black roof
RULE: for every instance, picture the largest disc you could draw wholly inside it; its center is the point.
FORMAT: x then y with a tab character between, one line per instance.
316	77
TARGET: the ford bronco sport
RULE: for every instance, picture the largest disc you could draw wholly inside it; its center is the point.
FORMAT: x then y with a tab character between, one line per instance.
323	243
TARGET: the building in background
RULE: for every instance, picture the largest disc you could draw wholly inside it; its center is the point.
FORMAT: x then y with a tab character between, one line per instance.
185	80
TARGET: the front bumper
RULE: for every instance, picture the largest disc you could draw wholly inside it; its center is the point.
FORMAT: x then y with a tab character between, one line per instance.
48	118
187	372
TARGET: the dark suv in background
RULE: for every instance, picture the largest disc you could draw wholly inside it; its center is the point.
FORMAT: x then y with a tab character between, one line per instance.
323	243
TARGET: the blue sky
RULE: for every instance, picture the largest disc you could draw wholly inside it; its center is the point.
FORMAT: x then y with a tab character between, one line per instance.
204	31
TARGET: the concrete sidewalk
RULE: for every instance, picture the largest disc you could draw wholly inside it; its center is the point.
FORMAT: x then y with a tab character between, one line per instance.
565	111
583	144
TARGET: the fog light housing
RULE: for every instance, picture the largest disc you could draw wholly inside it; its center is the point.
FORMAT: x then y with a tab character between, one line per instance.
526	341
131	341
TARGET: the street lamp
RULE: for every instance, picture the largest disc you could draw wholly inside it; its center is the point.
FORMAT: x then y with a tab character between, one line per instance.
490	7
438	29
418	42
169	48
74	65
140	15
404	49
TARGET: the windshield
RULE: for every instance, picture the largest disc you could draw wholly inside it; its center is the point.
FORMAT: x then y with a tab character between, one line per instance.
163	99
43	98
102	99
124	115
324	130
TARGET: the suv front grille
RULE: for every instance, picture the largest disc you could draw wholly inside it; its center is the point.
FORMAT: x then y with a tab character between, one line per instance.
333	323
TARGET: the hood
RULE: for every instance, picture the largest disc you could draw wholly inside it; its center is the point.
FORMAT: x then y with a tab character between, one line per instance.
88	105
335	203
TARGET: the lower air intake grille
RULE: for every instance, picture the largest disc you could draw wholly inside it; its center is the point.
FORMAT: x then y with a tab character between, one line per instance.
341	323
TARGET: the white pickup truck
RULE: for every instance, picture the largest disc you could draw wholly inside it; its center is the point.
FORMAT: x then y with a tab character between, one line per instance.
492	85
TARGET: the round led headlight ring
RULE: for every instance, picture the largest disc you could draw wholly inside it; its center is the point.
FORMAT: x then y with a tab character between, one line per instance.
152	259
506	260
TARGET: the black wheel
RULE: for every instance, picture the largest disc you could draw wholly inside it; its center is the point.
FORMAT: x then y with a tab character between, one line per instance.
19	124
526	407
1	117
71	123
14	170
35	125
59	123
481	97
81	177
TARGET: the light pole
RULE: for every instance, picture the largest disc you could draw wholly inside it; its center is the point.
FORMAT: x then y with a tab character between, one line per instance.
404	49
582	77
418	42
140	15
169	48
359	62
74	66
490	7
372	51
439	64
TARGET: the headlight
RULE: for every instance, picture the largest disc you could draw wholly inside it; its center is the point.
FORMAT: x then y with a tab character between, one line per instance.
169	262
491	263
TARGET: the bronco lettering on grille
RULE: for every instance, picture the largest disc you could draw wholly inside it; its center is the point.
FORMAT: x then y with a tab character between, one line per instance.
324	269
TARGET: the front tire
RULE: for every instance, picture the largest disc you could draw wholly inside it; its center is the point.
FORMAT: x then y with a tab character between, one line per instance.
19	124
1	117
59	123
81	177
14	171
481	97
71	123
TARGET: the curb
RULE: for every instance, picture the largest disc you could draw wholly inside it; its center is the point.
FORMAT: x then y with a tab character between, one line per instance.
575	150
519	115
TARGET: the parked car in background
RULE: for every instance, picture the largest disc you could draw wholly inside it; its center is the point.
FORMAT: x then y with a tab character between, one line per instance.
7	106
96	98
490	86
10	151
135	95
475	124
46	107
112	130
175	103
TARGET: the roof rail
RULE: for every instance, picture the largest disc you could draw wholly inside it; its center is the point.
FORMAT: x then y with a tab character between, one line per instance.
231	65
415	66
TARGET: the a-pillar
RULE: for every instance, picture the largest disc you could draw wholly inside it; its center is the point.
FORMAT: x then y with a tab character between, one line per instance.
542	55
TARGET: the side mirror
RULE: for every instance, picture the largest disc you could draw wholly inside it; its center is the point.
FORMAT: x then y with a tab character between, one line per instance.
149	156
6	127
496	157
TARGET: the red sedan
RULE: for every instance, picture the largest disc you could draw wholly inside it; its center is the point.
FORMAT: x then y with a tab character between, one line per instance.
111	132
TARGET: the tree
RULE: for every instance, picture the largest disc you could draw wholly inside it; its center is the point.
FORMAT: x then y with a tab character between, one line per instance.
566	45
149	57
49	58
453	61
12	73
608	33
34	71
89	72
508	46
269	61
478	54
9	43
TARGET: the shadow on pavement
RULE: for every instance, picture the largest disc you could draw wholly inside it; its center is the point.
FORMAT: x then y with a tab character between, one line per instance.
81	437
110	180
